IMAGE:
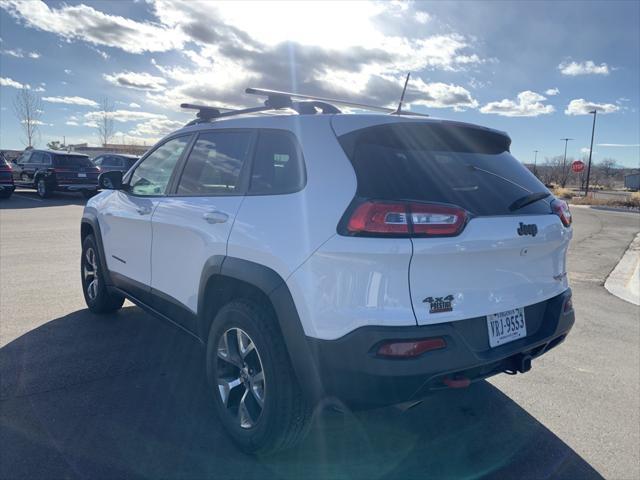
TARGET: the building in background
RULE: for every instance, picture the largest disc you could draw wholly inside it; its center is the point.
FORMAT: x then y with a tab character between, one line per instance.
632	181
92	151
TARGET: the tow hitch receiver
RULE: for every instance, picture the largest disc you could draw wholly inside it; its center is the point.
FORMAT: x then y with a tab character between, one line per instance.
520	363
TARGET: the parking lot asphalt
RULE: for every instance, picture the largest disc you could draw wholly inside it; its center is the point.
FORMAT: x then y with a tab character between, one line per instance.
124	395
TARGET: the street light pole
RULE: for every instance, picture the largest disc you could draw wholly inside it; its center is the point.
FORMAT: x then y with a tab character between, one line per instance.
564	161
593	129
535	163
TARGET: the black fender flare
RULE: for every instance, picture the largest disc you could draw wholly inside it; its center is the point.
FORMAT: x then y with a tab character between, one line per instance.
91	220
275	288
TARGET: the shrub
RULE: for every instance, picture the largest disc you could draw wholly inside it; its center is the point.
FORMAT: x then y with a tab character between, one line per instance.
562	193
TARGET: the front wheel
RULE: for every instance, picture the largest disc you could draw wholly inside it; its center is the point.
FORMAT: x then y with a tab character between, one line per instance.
256	394
96	295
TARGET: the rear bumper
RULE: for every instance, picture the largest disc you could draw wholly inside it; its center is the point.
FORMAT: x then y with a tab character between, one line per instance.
352	373
75	187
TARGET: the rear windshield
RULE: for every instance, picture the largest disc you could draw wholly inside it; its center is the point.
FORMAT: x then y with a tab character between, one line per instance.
72	161
458	165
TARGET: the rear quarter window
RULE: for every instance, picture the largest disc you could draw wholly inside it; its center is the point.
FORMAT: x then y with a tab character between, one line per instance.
458	165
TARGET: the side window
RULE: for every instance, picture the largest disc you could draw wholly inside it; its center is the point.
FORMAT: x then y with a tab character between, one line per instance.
152	176
36	158
277	164
24	158
214	164
98	161
45	159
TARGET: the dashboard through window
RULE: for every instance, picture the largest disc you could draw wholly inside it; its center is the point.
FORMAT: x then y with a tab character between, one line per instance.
152	176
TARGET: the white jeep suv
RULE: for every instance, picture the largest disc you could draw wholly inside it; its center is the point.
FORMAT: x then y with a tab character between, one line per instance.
361	259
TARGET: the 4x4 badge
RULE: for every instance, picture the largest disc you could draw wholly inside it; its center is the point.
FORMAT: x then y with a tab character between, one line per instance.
439	304
528	229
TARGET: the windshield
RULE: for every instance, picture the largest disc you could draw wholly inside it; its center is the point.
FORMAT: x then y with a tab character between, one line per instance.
457	165
73	161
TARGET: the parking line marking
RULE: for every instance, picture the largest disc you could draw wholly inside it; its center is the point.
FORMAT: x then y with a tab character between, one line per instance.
28	198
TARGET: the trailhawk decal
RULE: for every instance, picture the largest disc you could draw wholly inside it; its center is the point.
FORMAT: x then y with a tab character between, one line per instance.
439	304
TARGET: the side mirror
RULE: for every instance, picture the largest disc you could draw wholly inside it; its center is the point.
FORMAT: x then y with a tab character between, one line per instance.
110	180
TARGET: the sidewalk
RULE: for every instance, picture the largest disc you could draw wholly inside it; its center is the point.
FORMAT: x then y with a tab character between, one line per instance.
624	280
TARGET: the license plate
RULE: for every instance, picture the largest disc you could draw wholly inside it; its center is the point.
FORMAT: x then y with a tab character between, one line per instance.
505	327
82	175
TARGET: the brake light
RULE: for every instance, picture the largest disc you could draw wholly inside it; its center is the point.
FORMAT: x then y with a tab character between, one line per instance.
561	208
406	218
373	217
412	348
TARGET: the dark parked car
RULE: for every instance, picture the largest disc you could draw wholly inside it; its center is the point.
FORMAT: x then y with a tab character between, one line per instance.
112	161
48	171
6	178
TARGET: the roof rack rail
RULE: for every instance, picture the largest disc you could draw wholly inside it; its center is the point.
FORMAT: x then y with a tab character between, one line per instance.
272	94
277	100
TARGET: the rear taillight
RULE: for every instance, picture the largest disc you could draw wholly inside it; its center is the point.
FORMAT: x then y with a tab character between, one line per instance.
405	218
561	208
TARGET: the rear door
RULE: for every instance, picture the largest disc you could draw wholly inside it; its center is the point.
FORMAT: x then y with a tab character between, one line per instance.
501	257
125	216
193	223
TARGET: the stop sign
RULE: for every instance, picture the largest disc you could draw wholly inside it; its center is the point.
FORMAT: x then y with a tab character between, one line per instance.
577	166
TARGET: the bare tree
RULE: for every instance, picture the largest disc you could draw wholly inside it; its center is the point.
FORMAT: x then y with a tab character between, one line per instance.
28	108
104	125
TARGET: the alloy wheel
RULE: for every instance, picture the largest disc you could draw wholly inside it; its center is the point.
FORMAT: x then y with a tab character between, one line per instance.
240	377
42	188
90	273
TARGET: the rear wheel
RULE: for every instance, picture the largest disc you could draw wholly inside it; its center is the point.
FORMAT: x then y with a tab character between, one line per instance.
255	390
44	190
96	295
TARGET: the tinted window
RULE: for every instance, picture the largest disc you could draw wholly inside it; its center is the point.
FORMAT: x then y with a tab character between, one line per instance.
25	157
36	157
277	164
152	175
214	164
112	161
464	166
98	161
73	161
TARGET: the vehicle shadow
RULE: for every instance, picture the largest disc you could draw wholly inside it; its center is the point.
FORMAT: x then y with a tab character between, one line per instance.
124	396
22	199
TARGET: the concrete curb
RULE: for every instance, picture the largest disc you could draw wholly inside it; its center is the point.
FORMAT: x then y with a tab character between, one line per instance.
624	280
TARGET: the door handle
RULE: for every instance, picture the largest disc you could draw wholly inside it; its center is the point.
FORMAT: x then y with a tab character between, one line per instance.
216	217
143	210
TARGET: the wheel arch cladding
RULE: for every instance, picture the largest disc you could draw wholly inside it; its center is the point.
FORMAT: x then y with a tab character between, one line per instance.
89	226
227	278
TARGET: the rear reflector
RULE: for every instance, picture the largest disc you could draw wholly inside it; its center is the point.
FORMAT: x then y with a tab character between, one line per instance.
568	305
412	348
561	208
406	218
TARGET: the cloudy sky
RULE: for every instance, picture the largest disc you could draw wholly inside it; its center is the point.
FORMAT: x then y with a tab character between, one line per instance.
533	69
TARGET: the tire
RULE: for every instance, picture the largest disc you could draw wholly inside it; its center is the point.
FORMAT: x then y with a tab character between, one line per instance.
88	193
284	418
44	190
96	295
